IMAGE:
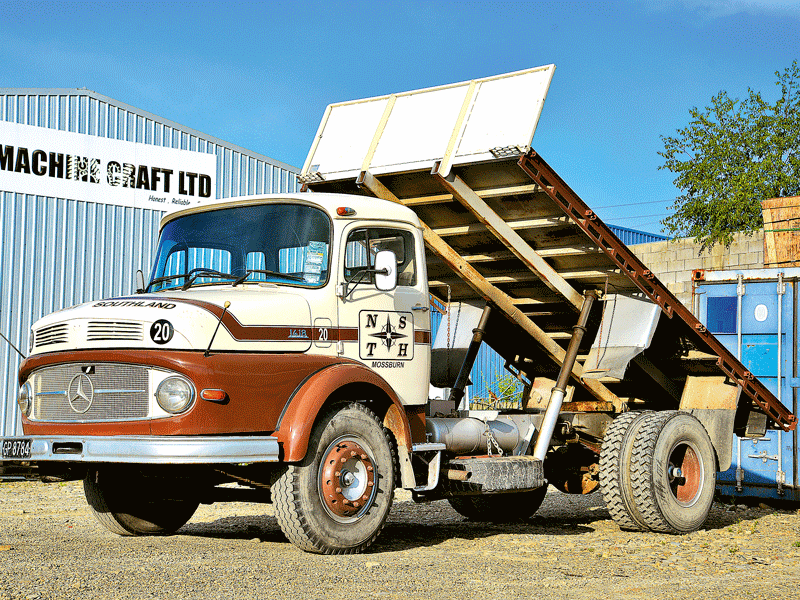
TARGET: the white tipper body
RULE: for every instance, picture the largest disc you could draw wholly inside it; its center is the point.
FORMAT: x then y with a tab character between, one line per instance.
274	318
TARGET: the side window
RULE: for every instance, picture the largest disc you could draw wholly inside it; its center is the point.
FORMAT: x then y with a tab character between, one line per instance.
364	244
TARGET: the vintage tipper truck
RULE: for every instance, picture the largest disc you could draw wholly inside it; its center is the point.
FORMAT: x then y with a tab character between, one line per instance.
283	344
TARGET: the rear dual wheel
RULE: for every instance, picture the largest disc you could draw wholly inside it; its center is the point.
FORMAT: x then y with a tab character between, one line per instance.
673	470
658	471
615	476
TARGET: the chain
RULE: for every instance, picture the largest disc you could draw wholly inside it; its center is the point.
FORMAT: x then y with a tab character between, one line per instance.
600	346
448	321
490	441
455	329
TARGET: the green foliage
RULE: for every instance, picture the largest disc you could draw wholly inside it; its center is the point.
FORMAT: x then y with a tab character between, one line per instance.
508	394
510	390
732	155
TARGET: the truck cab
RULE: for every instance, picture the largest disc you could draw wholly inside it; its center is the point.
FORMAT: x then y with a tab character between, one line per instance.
263	320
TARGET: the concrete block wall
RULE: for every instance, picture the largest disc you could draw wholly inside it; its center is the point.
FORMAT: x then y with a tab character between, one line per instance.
673	261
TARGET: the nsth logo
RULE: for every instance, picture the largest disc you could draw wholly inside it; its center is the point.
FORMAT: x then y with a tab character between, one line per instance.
385	335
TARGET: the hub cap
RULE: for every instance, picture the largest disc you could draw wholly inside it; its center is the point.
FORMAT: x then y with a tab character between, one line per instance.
685	473
347	479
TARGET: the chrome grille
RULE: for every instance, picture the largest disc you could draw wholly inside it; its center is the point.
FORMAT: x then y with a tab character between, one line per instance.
52	334
113	330
102	392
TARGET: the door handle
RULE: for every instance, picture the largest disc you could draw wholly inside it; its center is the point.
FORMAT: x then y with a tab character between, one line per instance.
420	307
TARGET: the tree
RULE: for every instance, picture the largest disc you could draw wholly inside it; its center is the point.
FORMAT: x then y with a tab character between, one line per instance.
730	157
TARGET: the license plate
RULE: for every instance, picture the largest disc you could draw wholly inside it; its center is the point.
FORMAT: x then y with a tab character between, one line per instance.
16	449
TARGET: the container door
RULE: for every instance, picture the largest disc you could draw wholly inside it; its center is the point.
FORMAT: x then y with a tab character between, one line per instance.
760	333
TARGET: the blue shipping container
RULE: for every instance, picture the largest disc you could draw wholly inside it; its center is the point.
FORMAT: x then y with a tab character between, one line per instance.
755	314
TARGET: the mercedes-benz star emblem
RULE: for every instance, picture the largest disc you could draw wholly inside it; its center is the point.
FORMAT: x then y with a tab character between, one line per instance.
80	393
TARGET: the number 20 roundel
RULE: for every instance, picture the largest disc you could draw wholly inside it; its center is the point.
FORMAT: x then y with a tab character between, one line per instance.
161	331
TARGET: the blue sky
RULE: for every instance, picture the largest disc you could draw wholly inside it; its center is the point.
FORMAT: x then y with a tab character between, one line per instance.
260	74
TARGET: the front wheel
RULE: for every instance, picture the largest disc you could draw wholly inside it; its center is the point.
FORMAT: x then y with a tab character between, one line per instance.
337	500
127	503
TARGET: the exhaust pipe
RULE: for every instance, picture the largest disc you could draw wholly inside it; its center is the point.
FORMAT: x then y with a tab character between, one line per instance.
468	435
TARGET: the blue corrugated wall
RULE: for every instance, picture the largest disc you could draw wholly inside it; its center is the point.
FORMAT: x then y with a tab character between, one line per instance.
491	383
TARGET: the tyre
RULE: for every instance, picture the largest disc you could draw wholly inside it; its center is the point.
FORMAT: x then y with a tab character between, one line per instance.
126	503
499	508
615	470
673	472
337	500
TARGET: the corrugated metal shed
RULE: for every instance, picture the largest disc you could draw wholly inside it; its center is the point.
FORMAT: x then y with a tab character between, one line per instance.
629	237
56	252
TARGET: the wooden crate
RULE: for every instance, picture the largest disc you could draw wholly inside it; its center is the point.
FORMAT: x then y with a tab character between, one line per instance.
781	232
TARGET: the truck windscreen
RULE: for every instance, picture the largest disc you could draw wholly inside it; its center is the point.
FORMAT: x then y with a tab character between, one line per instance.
277	243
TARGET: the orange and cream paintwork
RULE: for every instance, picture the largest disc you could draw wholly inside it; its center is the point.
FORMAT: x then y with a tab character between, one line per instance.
279	350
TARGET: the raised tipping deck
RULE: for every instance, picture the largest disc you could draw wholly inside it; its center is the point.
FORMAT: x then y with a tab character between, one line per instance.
502	227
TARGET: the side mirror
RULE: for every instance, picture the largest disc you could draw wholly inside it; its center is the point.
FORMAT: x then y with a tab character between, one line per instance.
139	282
385	271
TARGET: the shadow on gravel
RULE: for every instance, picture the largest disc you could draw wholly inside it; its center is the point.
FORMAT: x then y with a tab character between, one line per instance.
725	515
245	528
423	525
411	526
414	526
401	536
396	536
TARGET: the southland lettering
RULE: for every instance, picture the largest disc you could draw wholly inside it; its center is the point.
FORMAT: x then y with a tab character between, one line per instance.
132	303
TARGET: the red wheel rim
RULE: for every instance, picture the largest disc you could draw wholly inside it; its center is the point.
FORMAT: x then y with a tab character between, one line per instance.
347	479
685	474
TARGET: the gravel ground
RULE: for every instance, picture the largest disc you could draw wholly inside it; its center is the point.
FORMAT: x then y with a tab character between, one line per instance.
51	547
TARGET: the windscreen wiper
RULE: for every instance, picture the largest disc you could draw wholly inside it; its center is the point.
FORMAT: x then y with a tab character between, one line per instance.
203	272
266	272
163	279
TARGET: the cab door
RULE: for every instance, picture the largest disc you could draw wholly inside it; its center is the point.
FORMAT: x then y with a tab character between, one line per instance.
387	331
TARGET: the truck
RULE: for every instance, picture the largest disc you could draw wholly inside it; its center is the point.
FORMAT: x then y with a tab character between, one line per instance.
281	350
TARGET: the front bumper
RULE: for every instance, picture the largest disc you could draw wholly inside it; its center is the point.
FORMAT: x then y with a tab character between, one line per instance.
155	450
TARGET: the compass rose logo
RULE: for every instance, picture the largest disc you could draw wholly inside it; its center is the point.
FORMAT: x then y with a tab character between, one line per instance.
386	334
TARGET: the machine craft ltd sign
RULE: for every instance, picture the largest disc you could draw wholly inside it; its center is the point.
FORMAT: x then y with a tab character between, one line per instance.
49	162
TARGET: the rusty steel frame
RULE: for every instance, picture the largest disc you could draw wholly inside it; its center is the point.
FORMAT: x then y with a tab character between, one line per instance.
510	238
585	218
491	293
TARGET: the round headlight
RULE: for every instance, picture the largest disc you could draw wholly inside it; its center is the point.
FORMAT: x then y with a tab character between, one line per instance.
25	398
175	394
